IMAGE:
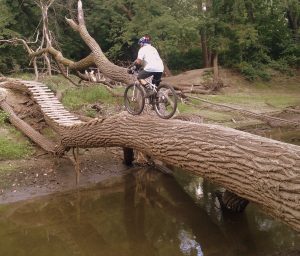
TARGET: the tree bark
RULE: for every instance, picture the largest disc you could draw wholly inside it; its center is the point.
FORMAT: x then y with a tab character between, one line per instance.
293	20
215	67
167	71
206	63
261	170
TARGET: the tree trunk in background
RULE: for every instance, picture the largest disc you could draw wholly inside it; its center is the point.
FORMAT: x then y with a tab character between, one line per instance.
205	58
203	35
215	66
167	71
250	10
261	170
293	22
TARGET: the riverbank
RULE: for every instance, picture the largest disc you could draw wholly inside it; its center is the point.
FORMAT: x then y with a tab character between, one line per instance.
41	175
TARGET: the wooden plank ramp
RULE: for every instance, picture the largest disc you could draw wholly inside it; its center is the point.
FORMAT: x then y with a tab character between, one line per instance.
50	105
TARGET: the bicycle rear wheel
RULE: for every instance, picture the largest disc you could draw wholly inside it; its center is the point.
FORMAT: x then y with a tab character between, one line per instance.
134	99
166	101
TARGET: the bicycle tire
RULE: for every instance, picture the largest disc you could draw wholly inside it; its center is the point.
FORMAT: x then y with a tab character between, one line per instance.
134	99
165	104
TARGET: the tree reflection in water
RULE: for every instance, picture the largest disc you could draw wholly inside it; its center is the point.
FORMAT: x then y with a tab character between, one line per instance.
143	213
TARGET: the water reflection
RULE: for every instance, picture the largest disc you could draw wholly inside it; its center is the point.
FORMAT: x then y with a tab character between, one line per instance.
144	213
251	233
188	245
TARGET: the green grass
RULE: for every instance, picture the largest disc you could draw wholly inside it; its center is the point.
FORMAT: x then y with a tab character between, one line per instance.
184	108
76	98
24	76
10	149
13	145
91	113
59	82
258	100
216	116
3	117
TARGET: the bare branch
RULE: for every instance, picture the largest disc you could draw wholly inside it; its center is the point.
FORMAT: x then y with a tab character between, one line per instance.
72	24
80	14
16	40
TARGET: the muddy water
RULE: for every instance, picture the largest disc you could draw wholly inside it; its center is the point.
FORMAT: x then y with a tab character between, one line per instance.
143	213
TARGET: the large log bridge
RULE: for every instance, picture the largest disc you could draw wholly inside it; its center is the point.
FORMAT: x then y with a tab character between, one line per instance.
261	170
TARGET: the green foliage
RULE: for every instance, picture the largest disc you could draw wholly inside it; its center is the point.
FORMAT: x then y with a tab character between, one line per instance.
252	72
185	60
91	113
281	65
3	117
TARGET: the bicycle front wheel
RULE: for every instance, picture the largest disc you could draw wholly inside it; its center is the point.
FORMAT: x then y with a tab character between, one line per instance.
134	99
166	101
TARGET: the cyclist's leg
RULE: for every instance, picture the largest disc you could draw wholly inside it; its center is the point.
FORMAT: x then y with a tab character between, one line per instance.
143	75
156	78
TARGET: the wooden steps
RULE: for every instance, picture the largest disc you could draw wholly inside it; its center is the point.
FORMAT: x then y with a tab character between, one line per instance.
50	105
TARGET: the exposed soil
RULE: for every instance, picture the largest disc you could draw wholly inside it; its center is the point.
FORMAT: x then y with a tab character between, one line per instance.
44	174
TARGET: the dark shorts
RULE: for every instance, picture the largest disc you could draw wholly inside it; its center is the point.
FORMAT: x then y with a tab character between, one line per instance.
156	76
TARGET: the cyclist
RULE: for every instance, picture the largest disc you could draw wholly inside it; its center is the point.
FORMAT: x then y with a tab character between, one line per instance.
150	60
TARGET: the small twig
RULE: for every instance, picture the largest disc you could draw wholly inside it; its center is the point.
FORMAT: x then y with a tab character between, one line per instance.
63	73
77	163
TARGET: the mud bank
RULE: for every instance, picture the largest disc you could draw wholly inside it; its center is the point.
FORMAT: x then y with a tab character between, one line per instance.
34	177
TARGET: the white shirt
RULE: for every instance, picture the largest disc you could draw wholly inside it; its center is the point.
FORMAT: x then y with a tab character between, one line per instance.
151	59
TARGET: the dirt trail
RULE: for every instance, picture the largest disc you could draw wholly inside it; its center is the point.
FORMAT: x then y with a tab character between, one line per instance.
187	79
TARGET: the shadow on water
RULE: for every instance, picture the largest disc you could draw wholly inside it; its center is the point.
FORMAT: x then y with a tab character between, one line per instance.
143	213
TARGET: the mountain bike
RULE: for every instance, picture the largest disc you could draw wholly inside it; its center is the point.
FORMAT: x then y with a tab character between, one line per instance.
163	98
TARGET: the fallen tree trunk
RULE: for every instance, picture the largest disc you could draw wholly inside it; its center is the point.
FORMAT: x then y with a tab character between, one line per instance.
258	169
34	135
261	170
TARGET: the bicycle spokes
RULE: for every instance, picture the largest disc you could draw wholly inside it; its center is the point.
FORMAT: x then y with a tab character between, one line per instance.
166	101
134	99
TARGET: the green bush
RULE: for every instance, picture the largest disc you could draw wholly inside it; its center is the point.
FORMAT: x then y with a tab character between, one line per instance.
247	70
252	72
281	66
264	74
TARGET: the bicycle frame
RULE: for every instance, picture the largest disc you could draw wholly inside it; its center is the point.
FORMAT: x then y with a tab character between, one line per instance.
144	91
